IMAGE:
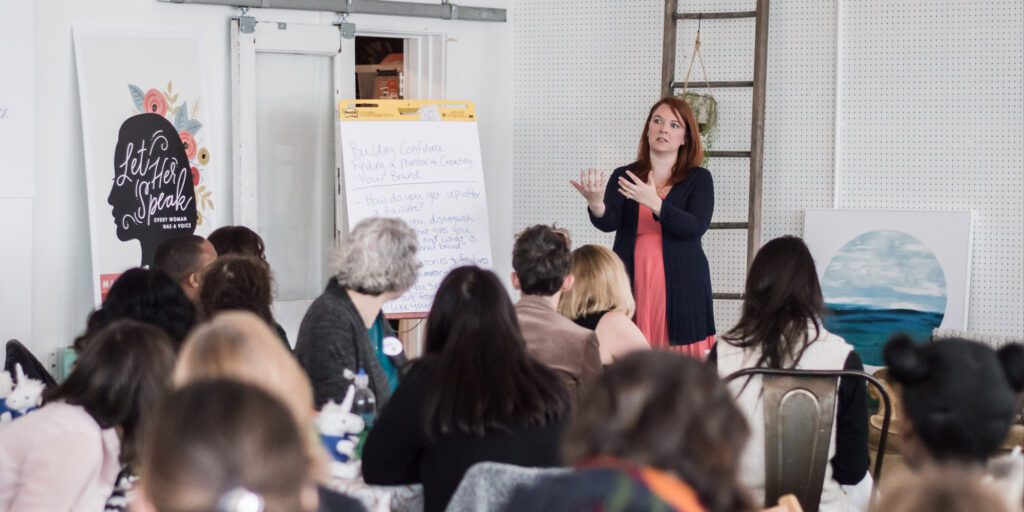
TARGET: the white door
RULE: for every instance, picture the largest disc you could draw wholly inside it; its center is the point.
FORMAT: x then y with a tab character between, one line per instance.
287	80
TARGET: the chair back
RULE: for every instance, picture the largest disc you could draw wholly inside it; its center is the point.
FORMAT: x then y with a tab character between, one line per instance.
488	486
799	411
20	354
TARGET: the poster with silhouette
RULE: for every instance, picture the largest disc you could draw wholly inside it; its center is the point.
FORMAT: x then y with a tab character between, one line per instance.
149	155
887	271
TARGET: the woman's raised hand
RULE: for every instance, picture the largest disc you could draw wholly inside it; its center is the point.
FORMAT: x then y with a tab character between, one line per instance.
591	187
643	192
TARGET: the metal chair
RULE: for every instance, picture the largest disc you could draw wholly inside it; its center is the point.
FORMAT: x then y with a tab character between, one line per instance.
799	409
20	354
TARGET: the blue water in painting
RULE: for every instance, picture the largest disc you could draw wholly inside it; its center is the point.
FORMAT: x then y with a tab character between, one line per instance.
867	329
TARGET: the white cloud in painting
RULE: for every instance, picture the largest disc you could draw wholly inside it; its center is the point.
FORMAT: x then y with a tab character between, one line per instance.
886	270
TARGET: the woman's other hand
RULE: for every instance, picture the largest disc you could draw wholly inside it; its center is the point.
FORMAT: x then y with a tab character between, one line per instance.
591	187
643	192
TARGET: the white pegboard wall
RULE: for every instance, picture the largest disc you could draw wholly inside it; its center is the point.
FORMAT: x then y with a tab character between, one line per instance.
931	114
587	71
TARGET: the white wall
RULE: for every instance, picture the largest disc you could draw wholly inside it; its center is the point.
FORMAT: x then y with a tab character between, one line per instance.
931	92
55	294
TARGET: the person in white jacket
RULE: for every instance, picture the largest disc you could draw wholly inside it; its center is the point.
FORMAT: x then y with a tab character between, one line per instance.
781	327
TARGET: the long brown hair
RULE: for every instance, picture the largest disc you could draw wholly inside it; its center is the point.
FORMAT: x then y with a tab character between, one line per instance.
782	298
669	412
484	378
690	154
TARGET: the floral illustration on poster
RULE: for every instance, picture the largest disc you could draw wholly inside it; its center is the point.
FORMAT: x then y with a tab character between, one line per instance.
151	142
185	119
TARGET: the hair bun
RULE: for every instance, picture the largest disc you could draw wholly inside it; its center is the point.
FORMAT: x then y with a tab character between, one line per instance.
1012	359
904	359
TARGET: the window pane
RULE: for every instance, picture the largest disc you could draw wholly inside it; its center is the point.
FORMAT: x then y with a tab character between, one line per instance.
295	127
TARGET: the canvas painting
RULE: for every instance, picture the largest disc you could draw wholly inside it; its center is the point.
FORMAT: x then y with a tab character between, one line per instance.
148	166
883	272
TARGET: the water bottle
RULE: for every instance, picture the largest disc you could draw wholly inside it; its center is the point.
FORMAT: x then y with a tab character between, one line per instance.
364	402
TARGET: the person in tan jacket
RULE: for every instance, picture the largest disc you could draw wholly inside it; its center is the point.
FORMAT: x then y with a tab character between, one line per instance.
541	260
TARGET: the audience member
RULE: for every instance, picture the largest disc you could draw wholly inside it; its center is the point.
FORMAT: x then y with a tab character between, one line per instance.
239	345
601	300
218	444
67	455
476	395
959	399
183	259
243	283
656	432
146	295
237	240
947	489
781	327
541	260
373	264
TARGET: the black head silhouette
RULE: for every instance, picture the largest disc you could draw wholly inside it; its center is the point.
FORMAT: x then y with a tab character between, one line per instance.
152	192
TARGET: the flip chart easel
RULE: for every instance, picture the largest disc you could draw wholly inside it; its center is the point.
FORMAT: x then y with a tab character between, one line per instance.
418	161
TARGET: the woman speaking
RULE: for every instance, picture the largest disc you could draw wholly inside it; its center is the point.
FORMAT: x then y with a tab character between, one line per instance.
659	207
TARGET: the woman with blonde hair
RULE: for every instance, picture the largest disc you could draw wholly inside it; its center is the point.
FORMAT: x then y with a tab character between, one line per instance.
239	345
600	299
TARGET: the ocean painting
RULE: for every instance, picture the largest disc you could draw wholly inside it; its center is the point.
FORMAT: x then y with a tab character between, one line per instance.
879	283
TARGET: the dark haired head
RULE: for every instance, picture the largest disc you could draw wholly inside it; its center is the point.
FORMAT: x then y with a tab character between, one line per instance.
669	412
183	256
960	396
119	379
237	240
541	258
690	154
216	436
781	299
149	296
472	324
238	282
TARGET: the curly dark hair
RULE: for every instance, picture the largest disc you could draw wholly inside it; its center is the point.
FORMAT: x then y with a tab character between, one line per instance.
237	240
146	295
238	282
119	379
669	412
541	258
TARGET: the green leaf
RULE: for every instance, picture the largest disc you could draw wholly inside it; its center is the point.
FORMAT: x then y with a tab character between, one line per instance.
138	97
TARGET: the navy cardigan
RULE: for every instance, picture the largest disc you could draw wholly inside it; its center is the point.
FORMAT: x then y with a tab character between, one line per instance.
685	216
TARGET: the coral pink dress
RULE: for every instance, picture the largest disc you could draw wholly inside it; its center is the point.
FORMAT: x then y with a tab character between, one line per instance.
649	288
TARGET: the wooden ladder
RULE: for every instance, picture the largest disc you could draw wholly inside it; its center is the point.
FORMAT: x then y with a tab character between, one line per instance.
669	85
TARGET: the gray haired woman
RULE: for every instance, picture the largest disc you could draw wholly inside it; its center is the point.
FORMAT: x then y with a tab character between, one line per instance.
344	328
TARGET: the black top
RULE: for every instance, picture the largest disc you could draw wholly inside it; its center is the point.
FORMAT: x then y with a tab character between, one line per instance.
685	216
590	321
397	451
851	460
332	338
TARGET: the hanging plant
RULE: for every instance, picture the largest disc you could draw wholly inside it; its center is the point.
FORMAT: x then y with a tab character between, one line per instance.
704	105
705	109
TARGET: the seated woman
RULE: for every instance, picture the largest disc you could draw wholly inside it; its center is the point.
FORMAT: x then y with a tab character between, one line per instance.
238	240
959	400
344	328
149	296
476	395
67	455
240	283
781	327
657	432
224	445
239	345
601	299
